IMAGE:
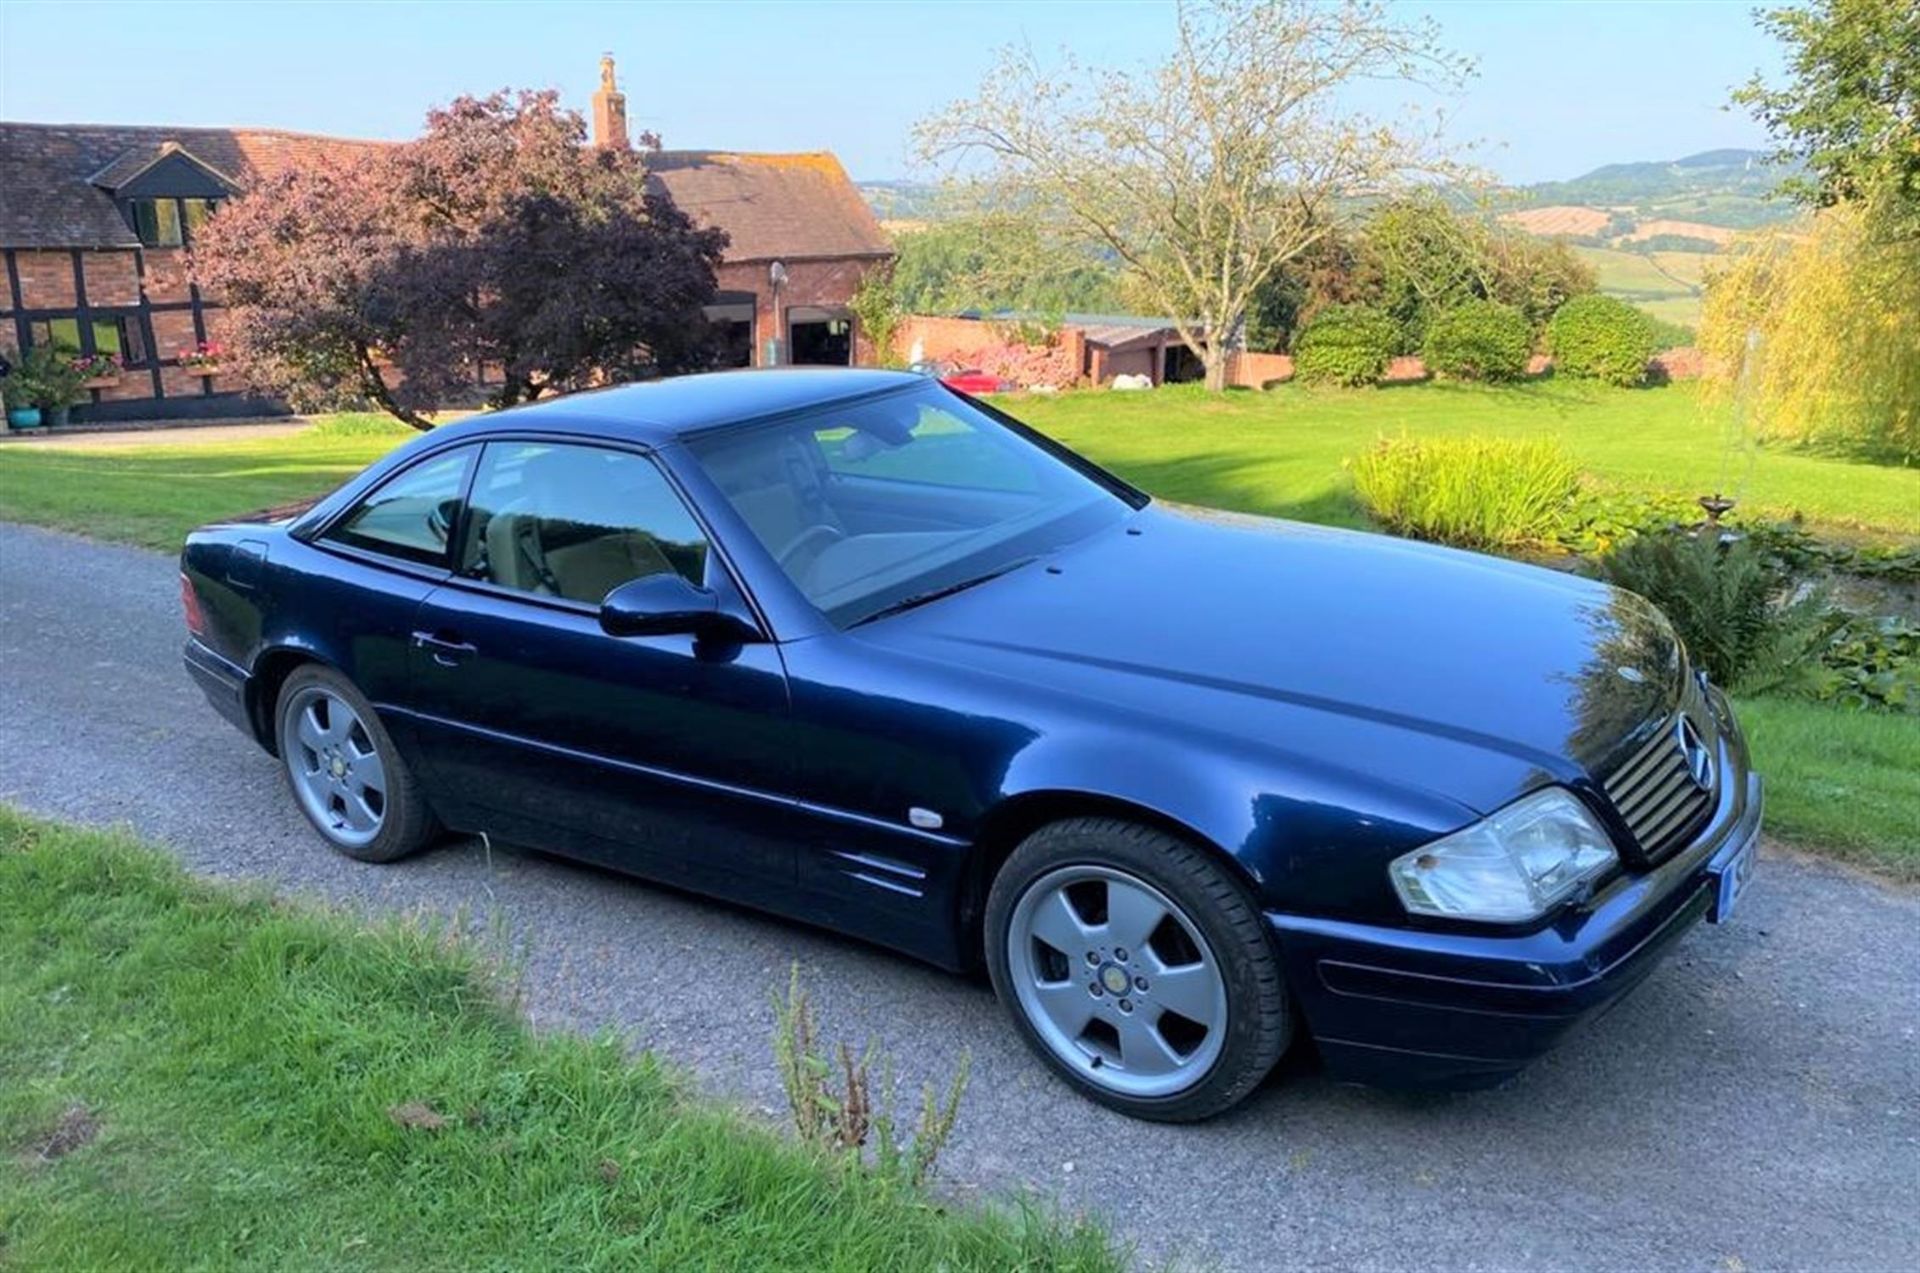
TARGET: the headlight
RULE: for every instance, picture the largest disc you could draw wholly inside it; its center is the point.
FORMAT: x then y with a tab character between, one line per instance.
1512	866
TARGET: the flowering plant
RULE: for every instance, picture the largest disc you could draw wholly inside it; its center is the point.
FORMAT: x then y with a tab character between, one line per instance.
202	357
96	366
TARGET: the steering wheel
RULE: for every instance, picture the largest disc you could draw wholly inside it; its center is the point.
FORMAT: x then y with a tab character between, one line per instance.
832	534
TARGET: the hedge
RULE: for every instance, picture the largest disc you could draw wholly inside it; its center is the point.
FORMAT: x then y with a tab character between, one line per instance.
1345	345
1601	338
1480	340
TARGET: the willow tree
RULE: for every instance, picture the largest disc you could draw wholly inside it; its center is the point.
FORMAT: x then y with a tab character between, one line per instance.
1813	335
1206	173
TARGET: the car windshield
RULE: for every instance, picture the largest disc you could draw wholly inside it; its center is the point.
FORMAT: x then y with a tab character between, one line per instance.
876	504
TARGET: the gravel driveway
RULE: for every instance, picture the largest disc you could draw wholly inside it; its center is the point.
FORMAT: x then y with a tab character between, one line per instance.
1755	1105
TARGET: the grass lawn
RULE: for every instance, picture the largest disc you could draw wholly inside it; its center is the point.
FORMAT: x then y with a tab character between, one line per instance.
153	495
195	1077
1845	782
1277	453
1280	452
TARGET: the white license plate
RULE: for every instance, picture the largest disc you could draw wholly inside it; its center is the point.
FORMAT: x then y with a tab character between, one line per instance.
1731	884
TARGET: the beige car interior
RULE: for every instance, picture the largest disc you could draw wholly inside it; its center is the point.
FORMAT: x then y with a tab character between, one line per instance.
583	555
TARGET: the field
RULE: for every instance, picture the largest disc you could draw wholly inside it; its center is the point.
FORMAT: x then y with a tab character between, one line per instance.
196	1077
1665	284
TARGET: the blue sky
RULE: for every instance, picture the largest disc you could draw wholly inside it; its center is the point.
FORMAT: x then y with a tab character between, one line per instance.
1562	86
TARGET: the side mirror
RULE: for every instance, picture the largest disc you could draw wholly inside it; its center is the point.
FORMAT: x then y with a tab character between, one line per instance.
663	605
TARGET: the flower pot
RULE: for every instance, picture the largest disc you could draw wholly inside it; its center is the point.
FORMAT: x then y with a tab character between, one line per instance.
100	382
57	417
23	417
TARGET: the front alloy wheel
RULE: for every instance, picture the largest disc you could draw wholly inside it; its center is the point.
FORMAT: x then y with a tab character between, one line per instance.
1137	967
1116	980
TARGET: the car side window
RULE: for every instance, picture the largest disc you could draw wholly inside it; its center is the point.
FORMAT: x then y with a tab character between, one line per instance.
411	516
575	522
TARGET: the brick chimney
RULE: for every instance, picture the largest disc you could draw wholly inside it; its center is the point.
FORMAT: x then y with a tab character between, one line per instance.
609	109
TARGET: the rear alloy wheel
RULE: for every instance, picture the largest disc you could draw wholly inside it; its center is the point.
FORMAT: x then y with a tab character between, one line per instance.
344	771
1137	968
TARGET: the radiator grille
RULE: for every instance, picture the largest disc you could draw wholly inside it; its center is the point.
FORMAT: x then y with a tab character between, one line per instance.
1659	791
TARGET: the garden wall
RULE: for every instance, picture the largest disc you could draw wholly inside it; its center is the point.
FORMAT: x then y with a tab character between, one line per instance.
992	347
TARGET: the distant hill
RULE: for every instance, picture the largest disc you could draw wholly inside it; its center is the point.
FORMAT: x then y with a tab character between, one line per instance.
1726	188
1651	229
899	200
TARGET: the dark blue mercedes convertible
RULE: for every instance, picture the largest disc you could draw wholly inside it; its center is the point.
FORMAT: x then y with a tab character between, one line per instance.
855	648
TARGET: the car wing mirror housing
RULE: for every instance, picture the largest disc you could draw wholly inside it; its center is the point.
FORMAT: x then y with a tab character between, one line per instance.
665	605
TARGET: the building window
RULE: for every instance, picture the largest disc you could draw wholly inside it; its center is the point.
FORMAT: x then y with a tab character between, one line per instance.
157	222
195	212
114	335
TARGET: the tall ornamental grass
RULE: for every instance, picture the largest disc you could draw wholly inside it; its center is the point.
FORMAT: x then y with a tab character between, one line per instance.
1482	493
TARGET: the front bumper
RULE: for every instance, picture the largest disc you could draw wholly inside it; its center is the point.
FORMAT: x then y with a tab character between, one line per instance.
1415	1007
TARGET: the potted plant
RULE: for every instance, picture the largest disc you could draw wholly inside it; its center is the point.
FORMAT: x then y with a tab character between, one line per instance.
21	394
97	371
57	382
203	359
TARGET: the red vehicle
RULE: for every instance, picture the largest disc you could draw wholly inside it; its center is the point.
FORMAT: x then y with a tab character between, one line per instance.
965	379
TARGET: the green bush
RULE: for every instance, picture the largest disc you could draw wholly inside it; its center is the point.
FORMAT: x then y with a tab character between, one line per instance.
1345	345
1601	338
1481	340
1742	618
1469	492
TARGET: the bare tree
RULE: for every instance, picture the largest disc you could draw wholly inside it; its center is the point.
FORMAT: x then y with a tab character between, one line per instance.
1210	171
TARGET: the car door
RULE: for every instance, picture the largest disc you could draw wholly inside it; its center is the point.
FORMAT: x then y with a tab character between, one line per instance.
372	567
666	755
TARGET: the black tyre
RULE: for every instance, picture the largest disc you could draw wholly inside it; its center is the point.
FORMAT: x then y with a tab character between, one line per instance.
1136	967
344	771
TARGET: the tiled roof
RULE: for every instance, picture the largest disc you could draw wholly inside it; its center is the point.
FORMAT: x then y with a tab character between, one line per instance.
48	173
789	207
52	177
144	156
1119	336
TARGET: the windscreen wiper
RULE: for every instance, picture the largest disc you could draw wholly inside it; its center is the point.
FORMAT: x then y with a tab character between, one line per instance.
918	599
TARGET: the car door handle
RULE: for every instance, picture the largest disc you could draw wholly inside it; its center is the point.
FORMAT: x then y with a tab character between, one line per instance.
446	653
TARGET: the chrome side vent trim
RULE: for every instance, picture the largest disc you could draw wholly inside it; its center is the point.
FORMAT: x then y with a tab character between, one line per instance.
883	873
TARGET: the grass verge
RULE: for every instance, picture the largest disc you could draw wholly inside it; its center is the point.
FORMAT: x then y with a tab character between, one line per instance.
1843	782
197	1077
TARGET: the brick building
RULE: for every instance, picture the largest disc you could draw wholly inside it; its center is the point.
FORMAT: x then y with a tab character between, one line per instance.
95	220
93	225
800	239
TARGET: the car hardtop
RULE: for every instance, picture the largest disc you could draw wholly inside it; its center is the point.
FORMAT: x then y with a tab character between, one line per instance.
655	412
650	414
